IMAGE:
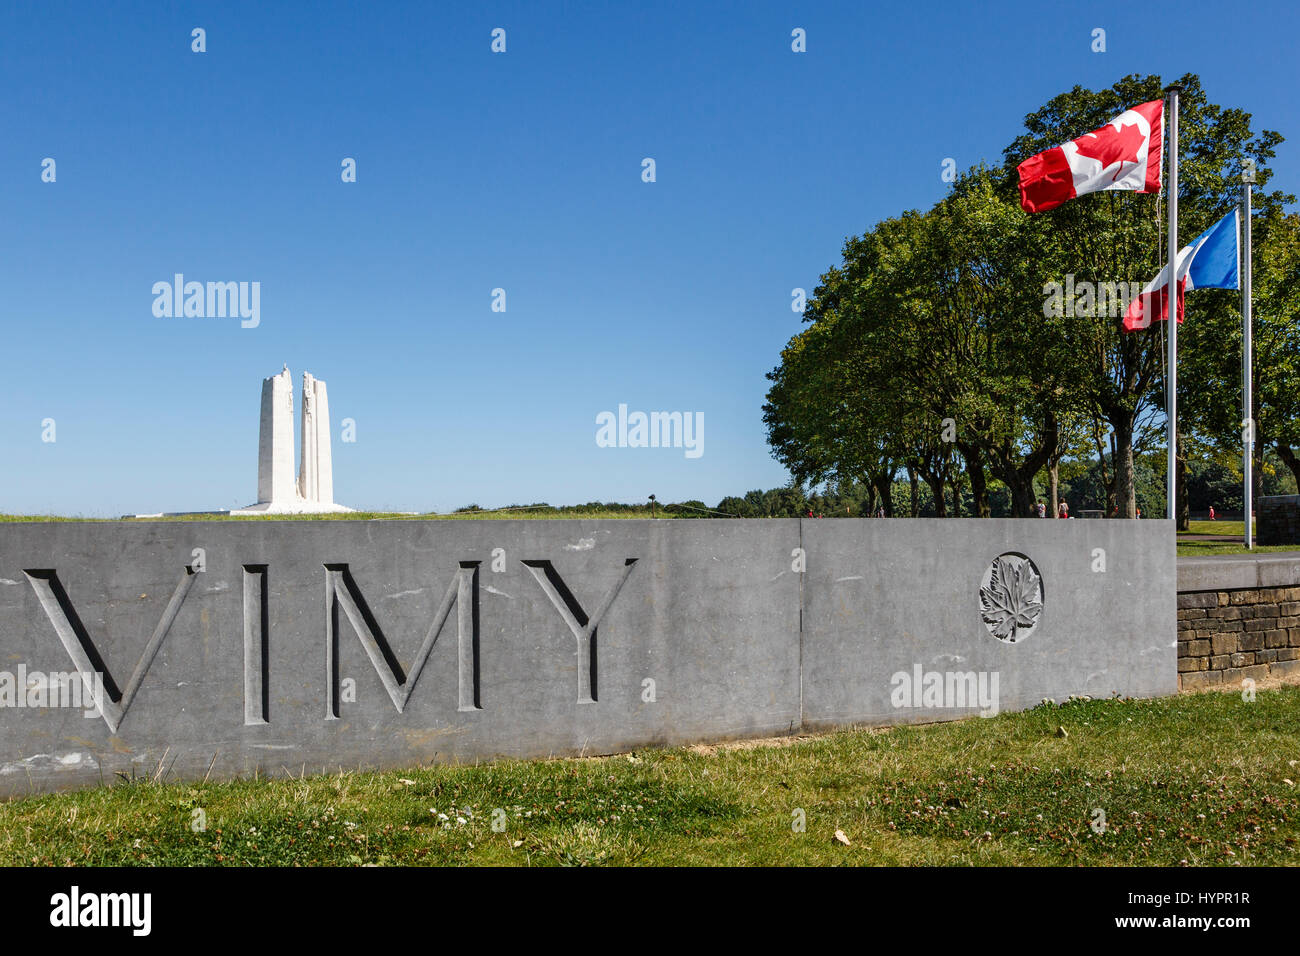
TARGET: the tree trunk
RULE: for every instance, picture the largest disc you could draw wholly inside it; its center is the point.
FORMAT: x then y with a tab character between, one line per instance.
916	490
1181	506
956	497
979	488
1107	482
885	486
1022	496
1258	475
980	494
935	484
1054	485
1288	456
1124	493
1112	505
1258	445
1019	478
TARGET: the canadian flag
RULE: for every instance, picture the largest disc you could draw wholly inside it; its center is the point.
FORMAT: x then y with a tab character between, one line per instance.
1123	154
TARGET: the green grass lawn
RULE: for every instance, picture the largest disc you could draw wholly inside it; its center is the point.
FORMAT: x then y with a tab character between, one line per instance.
1199	779
1189	544
1190	547
1235	528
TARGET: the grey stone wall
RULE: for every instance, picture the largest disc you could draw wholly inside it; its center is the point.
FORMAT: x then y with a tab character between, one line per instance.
283	647
882	597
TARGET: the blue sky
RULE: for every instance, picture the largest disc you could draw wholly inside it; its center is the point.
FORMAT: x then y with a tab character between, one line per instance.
478	171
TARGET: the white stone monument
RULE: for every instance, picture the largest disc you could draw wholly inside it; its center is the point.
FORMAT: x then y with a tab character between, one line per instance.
277	491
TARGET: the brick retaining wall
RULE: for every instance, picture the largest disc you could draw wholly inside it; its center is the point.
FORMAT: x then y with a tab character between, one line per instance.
1225	636
1238	617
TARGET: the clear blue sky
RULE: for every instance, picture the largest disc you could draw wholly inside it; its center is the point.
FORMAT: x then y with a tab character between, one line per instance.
477	171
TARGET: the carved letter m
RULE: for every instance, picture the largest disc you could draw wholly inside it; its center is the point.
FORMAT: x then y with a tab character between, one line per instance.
341	591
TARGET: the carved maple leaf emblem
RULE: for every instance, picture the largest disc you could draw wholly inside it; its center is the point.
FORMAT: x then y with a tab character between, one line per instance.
1013	599
1110	145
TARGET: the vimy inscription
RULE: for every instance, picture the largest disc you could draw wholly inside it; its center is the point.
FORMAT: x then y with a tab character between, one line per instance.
224	648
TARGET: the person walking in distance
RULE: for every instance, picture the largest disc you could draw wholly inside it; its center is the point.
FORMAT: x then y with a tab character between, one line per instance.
1063	510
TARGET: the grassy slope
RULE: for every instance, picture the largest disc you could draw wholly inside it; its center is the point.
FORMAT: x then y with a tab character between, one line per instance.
1195	778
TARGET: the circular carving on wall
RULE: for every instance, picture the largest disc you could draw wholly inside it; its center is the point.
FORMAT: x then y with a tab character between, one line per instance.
1011	597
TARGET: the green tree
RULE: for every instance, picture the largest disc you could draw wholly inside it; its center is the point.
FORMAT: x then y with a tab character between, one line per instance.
947	335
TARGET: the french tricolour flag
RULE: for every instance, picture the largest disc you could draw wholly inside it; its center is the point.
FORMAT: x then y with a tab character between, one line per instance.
1212	261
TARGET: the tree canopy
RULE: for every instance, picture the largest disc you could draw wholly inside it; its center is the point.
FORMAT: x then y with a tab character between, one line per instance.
974	343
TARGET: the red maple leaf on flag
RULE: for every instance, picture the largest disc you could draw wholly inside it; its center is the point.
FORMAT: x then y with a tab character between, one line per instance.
1109	145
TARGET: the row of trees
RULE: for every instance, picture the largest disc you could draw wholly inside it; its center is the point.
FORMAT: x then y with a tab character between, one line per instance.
932	350
1082	483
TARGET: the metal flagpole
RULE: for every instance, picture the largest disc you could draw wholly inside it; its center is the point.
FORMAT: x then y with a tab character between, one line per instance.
1171	302
1247	367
